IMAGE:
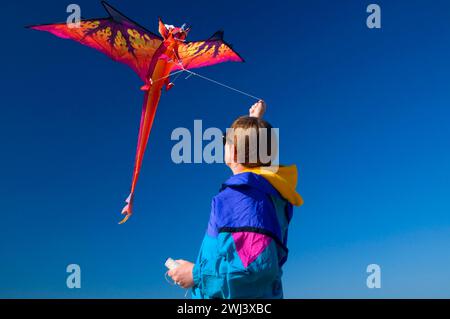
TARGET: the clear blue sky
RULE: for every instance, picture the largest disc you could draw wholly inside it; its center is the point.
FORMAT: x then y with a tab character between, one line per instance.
363	113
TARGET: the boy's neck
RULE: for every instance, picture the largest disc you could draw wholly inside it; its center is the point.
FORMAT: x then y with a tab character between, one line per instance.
237	168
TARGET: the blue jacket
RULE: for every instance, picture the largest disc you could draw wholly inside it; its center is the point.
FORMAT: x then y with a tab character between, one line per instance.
245	245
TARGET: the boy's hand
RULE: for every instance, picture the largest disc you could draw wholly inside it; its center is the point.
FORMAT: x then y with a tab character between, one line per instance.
182	275
258	109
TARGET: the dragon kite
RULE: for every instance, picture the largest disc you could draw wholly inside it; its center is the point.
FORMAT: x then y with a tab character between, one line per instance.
153	57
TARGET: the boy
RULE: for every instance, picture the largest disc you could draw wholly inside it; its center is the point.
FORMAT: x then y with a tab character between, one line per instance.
244	247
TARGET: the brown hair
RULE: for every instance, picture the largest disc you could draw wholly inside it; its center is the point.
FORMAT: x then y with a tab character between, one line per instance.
248	131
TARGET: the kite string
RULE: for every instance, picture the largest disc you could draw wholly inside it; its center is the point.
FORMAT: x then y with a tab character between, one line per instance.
168	75
221	84
174	284
183	69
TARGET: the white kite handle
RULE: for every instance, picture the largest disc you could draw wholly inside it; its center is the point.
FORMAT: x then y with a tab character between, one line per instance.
171	264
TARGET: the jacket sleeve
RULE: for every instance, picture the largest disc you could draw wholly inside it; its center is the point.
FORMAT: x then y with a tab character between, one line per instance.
245	266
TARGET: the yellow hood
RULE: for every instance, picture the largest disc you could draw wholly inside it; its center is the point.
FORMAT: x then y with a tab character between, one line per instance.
283	178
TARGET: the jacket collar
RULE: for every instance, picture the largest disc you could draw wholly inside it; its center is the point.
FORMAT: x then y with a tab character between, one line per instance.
250	180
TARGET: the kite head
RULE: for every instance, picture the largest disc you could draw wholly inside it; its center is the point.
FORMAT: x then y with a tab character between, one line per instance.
171	32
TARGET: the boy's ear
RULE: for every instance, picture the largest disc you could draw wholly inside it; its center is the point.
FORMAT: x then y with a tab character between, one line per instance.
162	29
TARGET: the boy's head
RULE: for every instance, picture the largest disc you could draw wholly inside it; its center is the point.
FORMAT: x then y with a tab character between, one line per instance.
251	142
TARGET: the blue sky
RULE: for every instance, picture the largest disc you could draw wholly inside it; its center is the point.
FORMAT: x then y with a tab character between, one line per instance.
363	113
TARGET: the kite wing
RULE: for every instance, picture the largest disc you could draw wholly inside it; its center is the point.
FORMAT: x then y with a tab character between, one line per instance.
120	38
205	53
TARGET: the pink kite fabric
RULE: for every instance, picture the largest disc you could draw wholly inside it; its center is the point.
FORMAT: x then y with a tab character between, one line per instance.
250	245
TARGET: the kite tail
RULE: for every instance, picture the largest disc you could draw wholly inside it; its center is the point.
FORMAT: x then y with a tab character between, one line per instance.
149	107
